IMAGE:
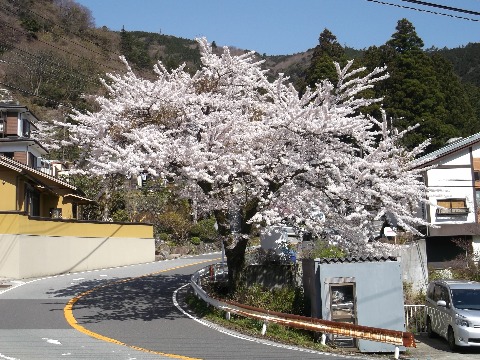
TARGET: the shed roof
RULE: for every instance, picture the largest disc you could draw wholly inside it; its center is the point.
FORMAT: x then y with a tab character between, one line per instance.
356	259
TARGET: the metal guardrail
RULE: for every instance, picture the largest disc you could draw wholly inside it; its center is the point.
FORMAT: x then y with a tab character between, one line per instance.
394	337
415	318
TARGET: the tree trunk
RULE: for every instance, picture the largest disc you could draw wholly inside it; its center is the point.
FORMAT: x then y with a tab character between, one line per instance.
235	246
235	262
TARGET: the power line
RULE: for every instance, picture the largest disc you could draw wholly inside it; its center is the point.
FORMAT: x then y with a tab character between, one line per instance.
68	31
69	71
422	10
440	6
58	48
35	95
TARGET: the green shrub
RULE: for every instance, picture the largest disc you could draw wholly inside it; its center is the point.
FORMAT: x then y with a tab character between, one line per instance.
176	224
412	297
288	300
195	240
205	230
164	237
120	215
322	249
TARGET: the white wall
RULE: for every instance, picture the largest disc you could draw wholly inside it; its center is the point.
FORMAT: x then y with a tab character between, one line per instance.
20	146
452	178
413	260
476	248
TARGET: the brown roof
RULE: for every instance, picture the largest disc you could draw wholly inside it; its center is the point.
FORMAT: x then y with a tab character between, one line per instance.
47	180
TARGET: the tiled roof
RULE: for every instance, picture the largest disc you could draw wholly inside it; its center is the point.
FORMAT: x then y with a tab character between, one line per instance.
447	149
356	259
19	167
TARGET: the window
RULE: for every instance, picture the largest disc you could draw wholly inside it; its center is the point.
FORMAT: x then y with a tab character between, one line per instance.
32	160
466	298
25	128
32	201
450	207
441	293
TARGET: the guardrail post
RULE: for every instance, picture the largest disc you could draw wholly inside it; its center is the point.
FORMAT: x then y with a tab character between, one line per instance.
227	315
397	352
264	328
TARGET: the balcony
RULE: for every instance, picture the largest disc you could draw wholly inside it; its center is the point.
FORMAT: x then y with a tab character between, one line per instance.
460	211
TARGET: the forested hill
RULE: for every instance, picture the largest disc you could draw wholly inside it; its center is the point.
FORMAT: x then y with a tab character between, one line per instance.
51	54
466	62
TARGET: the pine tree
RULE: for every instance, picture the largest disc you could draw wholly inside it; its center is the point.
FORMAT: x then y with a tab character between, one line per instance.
405	39
325	53
421	90
134	51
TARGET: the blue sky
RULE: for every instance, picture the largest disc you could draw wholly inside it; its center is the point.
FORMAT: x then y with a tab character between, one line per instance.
281	27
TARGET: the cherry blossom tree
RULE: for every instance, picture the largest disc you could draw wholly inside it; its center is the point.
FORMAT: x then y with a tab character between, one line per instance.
239	143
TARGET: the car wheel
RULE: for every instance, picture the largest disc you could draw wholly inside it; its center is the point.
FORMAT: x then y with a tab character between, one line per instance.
451	339
430	332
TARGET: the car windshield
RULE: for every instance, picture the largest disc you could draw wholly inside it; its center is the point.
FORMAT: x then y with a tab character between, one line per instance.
466	298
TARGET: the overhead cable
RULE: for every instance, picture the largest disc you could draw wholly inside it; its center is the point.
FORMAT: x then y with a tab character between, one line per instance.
68	31
422	10
440	6
35	95
58	48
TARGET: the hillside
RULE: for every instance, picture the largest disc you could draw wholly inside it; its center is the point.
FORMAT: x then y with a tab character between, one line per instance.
465	60
51	54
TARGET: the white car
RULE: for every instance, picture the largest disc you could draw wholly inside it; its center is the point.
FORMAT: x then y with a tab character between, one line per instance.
453	312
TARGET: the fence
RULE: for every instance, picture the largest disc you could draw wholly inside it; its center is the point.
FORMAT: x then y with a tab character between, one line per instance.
394	337
415	318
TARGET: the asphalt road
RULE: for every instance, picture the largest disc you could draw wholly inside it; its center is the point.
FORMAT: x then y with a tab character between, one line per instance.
122	313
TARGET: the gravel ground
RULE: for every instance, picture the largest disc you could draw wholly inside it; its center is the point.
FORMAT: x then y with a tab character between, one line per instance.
437	349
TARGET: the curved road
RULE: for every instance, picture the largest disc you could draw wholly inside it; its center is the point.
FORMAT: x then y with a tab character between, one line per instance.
121	313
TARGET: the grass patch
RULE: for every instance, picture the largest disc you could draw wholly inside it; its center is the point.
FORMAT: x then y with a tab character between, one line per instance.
251	327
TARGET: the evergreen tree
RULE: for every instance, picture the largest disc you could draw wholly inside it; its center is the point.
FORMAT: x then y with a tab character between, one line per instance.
460	109
325	53
405	39
134	51
421	90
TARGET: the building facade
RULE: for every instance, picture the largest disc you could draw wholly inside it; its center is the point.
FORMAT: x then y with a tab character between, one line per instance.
41	227
452	175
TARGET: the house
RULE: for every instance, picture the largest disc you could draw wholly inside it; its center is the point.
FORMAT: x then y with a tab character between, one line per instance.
41	227
452	174
29	182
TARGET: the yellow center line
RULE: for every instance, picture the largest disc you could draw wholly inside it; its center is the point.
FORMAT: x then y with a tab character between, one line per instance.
72	321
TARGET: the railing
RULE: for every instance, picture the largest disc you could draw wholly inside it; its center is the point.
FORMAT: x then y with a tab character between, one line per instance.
452	211
415	318
394	337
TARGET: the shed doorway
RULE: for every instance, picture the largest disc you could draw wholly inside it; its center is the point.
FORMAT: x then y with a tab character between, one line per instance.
343	309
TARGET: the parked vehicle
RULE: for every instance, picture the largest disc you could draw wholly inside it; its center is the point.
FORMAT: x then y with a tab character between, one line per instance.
453	312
